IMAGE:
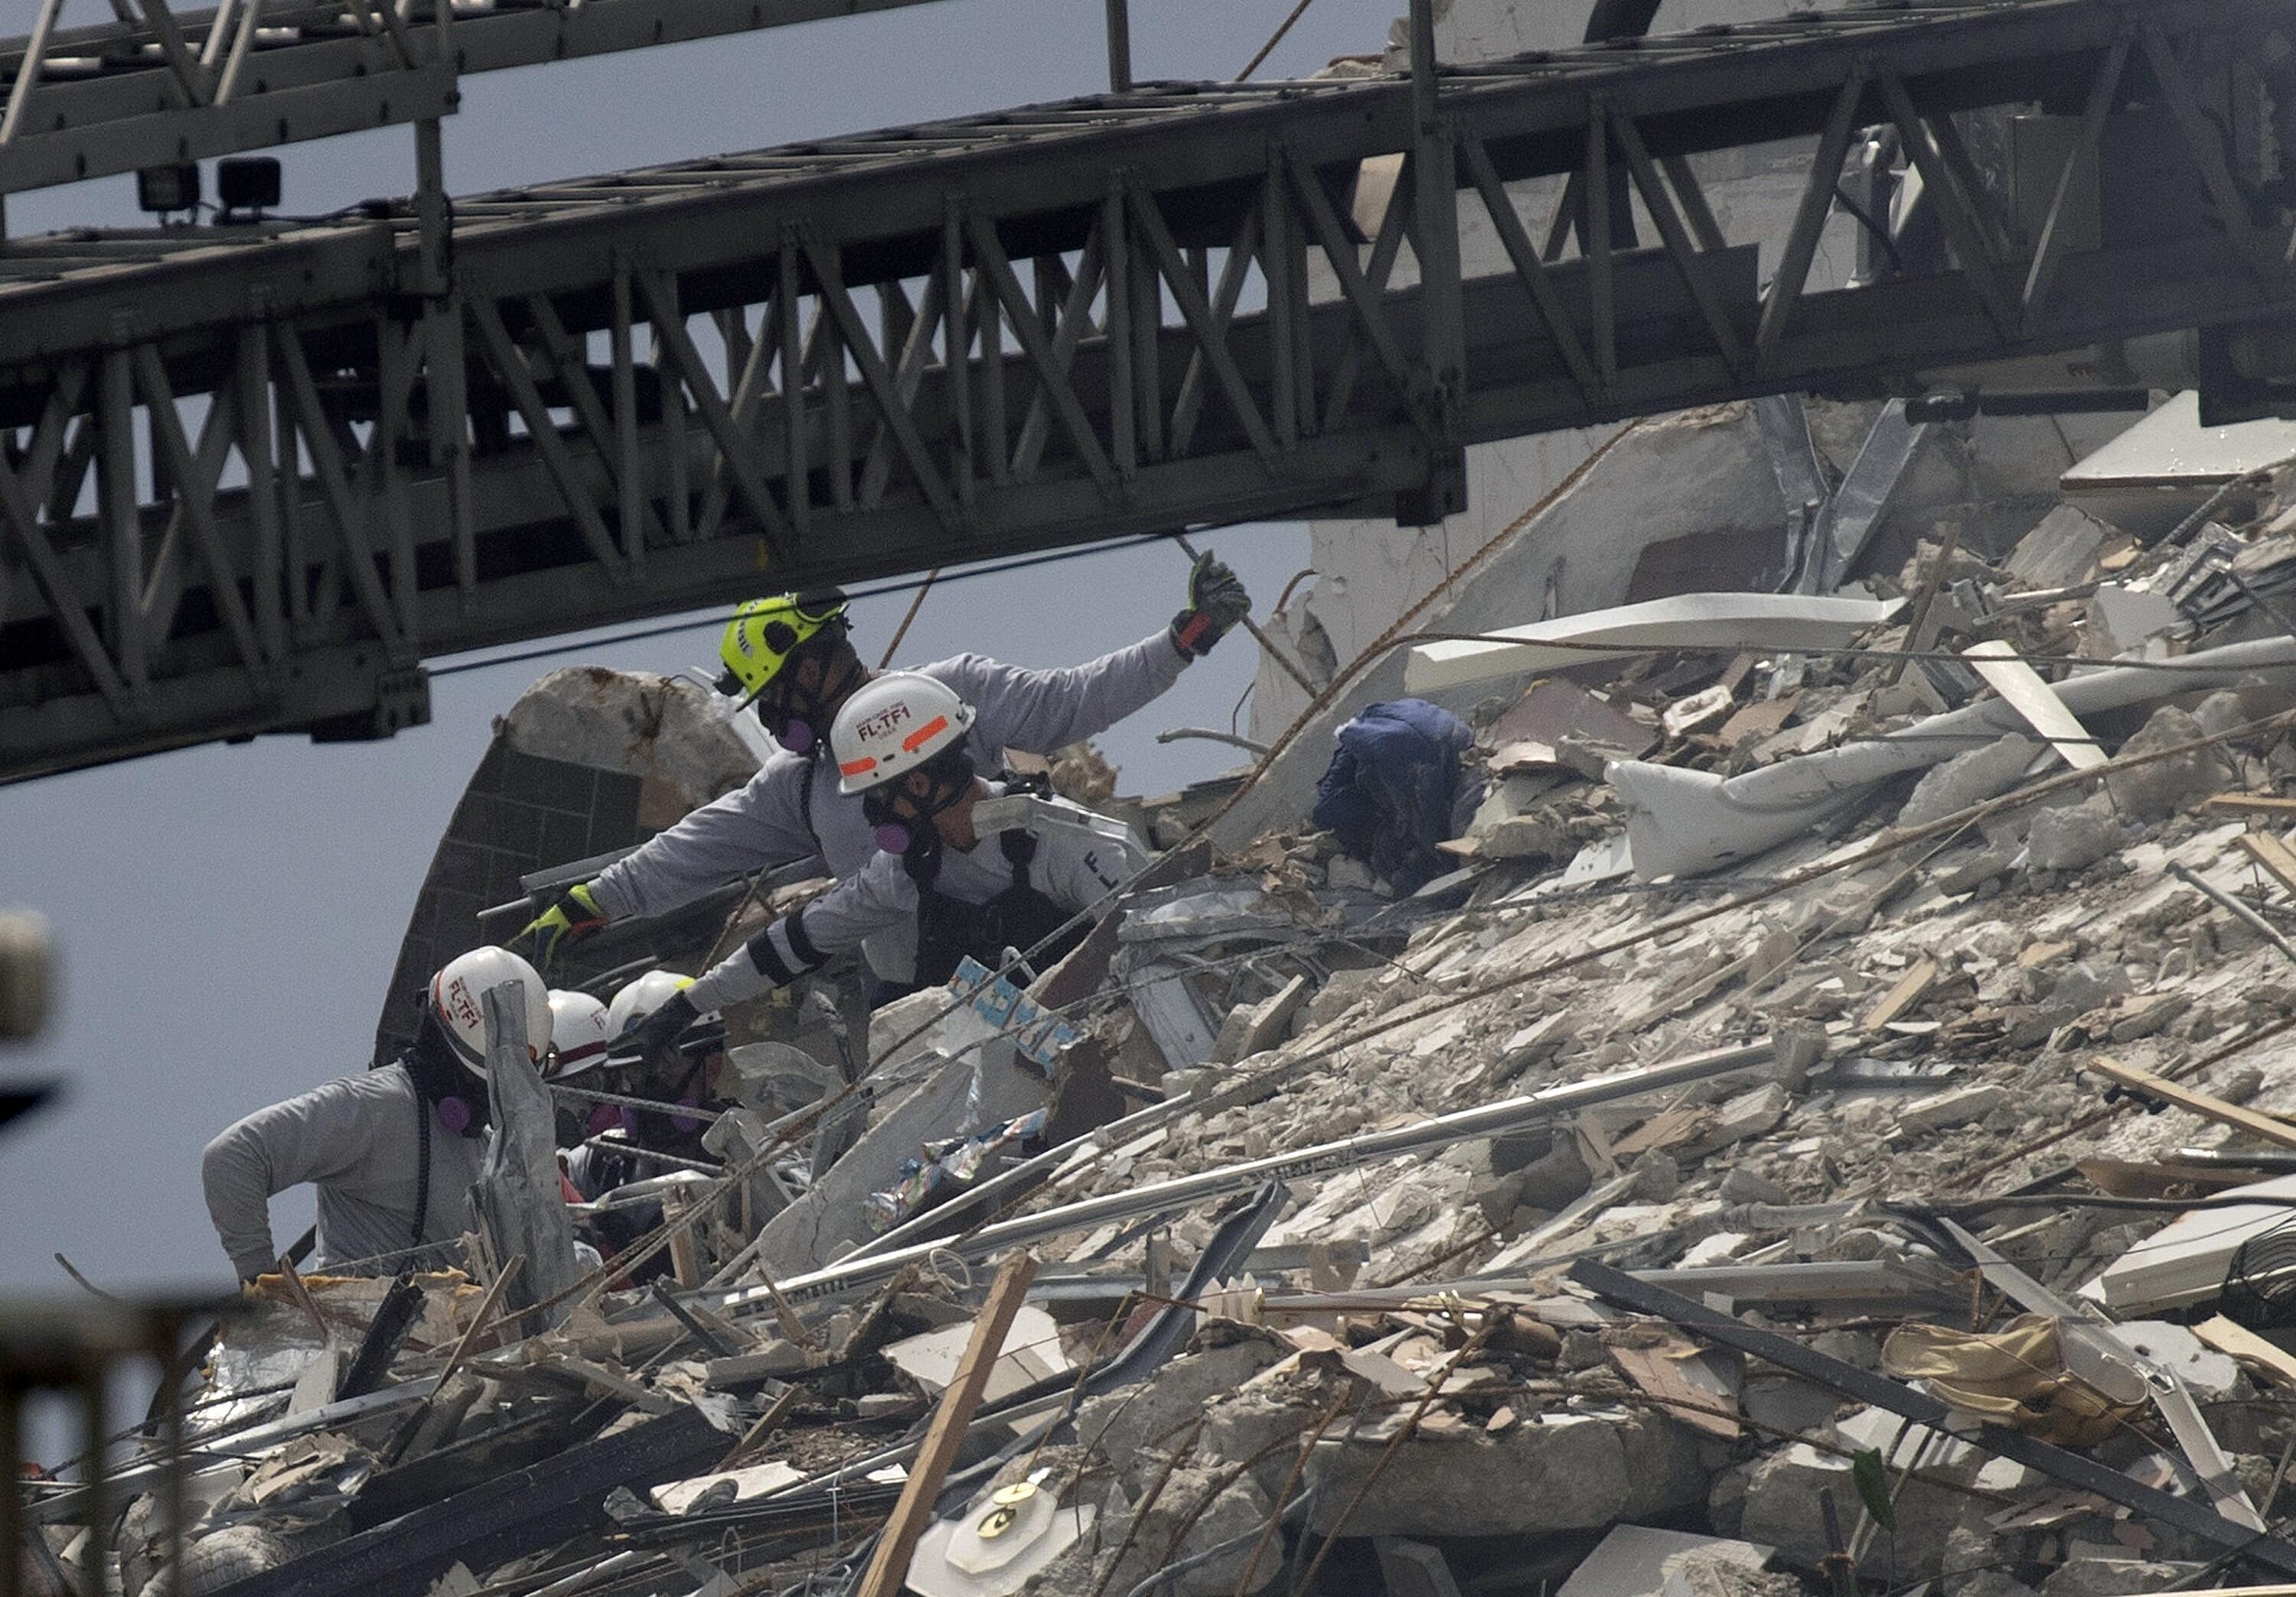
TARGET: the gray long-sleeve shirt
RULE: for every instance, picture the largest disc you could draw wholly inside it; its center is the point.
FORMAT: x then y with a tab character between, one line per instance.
765	823
1076	869
356	1140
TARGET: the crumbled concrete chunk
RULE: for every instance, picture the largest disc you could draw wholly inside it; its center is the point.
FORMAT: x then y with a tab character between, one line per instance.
2114	1577
1741	1185
2072	838
2153	792
1943	1112
1968	779
1657	1177
1567	1472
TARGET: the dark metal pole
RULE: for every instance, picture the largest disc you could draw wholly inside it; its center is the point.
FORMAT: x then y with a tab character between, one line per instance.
1435	194
13	1527
1120	47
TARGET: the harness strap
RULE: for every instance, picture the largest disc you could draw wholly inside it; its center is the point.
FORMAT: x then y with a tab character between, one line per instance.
1020	849
801	943
769	960
421	1164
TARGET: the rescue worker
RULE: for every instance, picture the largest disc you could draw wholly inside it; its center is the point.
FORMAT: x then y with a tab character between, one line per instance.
623	1139
578	1036
391	1151
903	746
792	657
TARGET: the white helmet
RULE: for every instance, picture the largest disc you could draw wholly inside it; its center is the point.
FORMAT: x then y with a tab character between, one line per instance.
641	998
892	725
458	998
578	1033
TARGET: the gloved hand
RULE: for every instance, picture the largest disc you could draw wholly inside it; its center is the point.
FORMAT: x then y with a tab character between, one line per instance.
1216	601
654	1035
574	916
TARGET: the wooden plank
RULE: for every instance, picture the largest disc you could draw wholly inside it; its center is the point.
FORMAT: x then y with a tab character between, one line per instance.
2021	688
684	1258
897	1543
2125	1178
2279	1133
2275	856
2244	1344
1910	989
2250	804
1658	1370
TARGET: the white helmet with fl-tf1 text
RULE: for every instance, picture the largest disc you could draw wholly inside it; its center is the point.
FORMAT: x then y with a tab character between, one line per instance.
458	999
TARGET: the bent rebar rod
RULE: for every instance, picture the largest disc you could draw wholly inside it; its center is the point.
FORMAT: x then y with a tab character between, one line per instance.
848	1277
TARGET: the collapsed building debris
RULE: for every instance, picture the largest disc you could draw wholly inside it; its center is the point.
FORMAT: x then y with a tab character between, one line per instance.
1581	1217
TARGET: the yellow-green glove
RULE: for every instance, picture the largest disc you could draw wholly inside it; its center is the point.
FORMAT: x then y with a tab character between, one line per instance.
574	916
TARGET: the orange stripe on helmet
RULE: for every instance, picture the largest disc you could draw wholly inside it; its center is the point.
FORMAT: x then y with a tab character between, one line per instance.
854	767
922	734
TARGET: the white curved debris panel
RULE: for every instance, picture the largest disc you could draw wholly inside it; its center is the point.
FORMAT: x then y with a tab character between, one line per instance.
1735	621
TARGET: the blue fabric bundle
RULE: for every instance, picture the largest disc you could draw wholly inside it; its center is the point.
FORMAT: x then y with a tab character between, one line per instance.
1393	789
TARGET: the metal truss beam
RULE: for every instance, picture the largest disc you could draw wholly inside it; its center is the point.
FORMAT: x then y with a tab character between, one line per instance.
250	479
251	74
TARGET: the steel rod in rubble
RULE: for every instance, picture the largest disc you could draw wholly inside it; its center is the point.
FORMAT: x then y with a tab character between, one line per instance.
1491	1119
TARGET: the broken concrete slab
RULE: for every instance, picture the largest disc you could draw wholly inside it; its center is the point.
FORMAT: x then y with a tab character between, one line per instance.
1551	710
2154	790
1031	1353
2158	470
1138	1426
1252	1028
1945	1111
1641	1561
2061	550
675	735
1567	1471
2116	1577
2072	837
1969	779
1781	1496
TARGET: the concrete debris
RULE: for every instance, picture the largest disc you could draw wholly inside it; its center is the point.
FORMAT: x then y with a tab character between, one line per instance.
1968	780
2153	473
2153	790
1570	1471
1635	1207
1637	1560
2061	550
2072	838
1944	1111
672	733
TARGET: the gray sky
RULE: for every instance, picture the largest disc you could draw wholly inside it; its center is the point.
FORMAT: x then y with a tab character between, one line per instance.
228	916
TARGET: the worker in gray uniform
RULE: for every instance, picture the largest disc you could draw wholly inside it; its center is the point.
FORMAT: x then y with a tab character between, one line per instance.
938	886
792	657
392	1150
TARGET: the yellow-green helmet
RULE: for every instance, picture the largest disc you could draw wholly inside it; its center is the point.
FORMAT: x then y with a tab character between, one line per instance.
766	633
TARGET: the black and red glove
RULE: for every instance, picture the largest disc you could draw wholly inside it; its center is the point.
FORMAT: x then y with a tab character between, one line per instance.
1216	601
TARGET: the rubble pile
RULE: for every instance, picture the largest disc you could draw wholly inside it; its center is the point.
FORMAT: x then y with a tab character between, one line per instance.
1722	1171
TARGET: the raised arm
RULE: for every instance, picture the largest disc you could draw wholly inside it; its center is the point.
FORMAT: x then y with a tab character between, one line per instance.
758	825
